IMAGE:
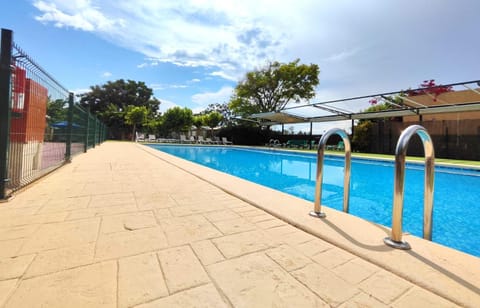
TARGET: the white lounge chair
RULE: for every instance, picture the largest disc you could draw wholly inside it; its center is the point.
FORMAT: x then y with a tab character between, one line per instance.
139	137
152	138
201	140
226	142
184	139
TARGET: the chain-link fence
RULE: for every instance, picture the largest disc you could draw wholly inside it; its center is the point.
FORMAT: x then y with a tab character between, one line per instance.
41	127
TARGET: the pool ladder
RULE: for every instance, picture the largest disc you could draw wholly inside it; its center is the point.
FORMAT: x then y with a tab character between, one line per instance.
319	178
395	240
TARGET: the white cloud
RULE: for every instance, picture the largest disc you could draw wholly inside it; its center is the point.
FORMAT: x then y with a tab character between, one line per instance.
106	74
79	14
376	45
221	96
162	86
195	80
166	104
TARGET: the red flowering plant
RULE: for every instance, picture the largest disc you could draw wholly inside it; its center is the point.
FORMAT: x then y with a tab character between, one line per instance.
429	87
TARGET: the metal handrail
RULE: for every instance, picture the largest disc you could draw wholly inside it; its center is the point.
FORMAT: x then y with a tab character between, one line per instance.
397	214
319	179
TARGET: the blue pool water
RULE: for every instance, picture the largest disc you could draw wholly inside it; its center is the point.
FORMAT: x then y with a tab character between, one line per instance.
456	217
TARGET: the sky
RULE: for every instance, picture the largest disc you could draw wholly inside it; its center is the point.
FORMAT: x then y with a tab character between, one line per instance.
194	52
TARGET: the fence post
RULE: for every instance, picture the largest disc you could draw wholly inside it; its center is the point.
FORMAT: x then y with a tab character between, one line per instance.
68	151
5	104
94	132
87	129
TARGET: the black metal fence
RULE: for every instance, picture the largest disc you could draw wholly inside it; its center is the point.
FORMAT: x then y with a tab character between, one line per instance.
41	127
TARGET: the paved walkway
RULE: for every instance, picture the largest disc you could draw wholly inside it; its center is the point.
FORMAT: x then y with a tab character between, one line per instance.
120	228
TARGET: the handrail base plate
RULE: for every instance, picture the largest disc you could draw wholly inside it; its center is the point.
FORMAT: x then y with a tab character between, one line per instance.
397	245
317	214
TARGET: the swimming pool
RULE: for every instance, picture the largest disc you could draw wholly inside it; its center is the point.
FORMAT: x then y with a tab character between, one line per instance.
456	213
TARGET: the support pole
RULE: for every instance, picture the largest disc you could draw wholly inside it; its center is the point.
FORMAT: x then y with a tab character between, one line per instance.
5	106
68	151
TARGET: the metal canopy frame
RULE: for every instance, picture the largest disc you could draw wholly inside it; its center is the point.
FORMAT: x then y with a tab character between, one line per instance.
338	110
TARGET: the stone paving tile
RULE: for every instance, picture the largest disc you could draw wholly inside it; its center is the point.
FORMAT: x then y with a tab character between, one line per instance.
313	247
233	226
101	211
221	215
185	210
188	229
333	257
6	288
281	231
162	213
385	286
182	269
128	222
296	238
115	199
325	284
32	219
128	243
55	260
14	267
355	270
235	204
288	258
17	232
260	218
101	188
153	200
65	204
11	248
267	224
365	300
207	252
204	296
140	280
64	234
90	286
417	297
257	281
247	208
8	211
252	212
242	243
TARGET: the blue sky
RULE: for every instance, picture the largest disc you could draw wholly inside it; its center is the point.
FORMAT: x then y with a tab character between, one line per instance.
194	52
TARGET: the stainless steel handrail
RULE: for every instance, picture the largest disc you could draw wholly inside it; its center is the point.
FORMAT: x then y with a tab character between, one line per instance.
319	179
397	214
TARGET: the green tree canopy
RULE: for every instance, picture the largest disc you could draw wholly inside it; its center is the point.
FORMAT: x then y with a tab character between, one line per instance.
136	115
227	114
177	119
212	119
57	110
109	102
274	86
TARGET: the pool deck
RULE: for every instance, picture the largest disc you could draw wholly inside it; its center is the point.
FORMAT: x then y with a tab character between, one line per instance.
124	225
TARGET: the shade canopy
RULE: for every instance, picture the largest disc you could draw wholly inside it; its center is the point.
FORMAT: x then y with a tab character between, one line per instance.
456	97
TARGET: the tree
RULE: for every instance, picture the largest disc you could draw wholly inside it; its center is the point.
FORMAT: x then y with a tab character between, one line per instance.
109	102
198	121
212	120
224	110
134	116
274	86
57	110
177	119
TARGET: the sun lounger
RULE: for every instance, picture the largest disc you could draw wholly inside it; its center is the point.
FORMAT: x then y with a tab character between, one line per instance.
225	141
140	137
